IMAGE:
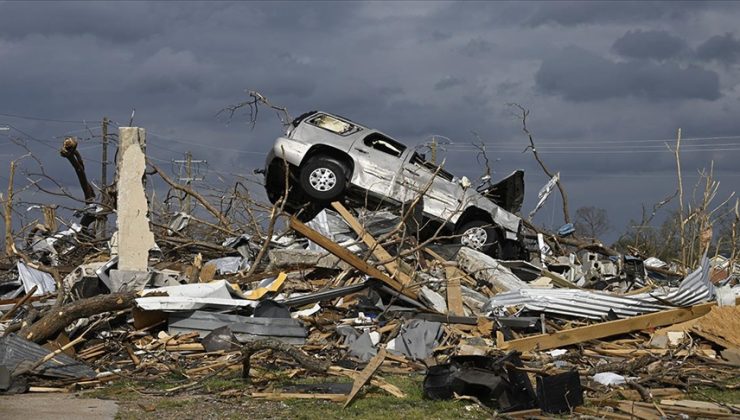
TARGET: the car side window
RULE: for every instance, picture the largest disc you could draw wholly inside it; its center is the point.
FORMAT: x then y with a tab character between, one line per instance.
384	144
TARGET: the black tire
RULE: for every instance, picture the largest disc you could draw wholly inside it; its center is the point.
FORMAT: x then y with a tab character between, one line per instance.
490	244
323	179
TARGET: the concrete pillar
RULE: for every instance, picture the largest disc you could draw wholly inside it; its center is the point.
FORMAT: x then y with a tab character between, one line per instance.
134	236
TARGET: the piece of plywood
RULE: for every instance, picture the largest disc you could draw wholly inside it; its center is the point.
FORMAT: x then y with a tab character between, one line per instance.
454	292
721	325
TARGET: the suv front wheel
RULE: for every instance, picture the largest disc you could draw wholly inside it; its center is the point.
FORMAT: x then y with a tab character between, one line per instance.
323	179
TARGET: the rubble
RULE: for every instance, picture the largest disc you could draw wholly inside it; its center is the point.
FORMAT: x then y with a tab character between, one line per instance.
355	292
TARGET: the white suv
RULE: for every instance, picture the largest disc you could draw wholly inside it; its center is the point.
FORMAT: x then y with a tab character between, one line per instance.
330	157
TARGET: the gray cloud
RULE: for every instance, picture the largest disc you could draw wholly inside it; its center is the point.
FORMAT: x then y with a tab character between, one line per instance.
579	75
103	20
659	45
573	13
447	82
722	48
477	47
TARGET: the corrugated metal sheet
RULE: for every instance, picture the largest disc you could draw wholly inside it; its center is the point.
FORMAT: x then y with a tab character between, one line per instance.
244	328
695	288
15	350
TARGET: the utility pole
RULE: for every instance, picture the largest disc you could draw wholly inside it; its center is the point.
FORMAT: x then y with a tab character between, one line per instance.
102	222
104	175
433	148
188	166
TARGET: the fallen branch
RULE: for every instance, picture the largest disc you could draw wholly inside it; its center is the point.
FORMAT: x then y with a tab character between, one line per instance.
57	319
304	360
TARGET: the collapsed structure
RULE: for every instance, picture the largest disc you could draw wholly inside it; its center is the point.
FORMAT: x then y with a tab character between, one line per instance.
359	292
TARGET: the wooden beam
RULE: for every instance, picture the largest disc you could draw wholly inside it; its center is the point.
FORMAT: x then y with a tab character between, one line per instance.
461	274
348	257
365	375
606	329
454	293
20	303
378	251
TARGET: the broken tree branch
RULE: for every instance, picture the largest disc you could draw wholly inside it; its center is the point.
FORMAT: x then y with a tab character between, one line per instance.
57	319
70	152
524	113
202	200
303	359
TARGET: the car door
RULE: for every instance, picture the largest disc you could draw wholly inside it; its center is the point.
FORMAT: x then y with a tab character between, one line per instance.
378	164
442	198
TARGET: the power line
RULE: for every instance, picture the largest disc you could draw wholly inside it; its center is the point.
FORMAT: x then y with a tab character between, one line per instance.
205	146
28	117
620	151
566	142
597	146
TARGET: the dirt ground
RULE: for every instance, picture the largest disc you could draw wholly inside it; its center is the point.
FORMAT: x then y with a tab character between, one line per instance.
55	406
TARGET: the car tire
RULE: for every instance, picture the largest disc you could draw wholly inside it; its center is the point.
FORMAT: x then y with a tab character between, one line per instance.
481	236
323	179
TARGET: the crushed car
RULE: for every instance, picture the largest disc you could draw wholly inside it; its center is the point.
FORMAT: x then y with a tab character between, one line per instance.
327	158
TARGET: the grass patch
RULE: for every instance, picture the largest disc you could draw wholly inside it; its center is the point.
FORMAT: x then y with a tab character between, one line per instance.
712	394
373	403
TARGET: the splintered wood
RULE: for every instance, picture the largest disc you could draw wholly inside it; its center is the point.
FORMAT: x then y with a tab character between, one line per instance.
348	257
366	374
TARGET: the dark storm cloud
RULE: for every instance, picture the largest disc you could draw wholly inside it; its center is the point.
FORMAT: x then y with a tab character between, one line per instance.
659	45
410	69
579	75
572	13
722	48
104	20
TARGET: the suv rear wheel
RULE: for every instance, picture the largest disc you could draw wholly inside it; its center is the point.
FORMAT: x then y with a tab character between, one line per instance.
481	236
323	179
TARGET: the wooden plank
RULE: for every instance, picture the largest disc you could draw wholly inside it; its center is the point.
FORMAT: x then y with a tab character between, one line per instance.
638	411
704	406
601	414
454	292
606	329
20	303
378	251
348	257
365	375
279	396
559	280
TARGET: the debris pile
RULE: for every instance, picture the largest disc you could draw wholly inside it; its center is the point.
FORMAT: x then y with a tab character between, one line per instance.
355	293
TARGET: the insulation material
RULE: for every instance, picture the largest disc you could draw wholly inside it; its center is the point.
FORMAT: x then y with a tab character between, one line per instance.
32	277
193	296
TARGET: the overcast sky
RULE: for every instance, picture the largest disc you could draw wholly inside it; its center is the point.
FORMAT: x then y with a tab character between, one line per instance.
605	83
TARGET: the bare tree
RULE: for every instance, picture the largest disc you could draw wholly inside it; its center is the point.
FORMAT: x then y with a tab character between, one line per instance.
523	113
592	222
